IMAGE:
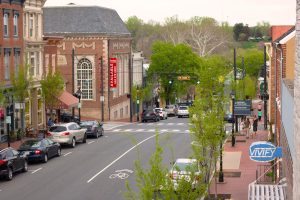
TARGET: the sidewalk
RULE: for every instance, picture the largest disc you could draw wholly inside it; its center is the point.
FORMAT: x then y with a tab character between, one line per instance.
239	170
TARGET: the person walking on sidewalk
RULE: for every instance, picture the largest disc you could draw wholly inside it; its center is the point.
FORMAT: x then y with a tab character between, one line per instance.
254	125
247	127
259	113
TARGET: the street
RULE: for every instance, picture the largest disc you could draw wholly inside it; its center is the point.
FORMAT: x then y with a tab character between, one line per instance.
99	169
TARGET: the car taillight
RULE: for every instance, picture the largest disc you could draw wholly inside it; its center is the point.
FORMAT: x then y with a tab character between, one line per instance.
3	162
48	134
37	151
66	133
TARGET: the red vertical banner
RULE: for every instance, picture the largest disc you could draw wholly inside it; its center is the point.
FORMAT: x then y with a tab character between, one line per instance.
113	72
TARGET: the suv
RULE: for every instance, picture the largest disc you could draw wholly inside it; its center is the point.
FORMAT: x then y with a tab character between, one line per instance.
162	113
12	161
150	115
183	111
171	110
68	133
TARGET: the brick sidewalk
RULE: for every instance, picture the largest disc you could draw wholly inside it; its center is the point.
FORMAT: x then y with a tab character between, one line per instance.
246	172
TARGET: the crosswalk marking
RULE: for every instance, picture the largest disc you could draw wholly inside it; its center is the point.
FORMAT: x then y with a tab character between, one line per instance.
175	130
116	130
151	130
140	130
127	130
170	123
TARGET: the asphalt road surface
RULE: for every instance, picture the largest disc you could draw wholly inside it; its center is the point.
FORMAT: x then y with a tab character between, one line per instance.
98	169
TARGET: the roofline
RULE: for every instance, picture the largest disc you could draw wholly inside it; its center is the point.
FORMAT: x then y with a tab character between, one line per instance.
54	34
79	6
285	34
287	37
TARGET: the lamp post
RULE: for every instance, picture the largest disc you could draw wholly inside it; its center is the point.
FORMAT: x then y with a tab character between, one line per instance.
138	104
78	95
232	94
9	116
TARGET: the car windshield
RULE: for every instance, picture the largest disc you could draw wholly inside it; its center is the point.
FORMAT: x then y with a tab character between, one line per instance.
87	123
183	108
157	109
182	166
31	143
57	128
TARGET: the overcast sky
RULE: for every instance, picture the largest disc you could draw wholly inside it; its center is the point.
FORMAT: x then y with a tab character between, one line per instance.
277	12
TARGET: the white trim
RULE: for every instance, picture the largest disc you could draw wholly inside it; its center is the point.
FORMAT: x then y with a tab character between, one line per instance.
288	37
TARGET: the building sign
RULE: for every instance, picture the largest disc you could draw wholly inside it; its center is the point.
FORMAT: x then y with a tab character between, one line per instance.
113	72
242	107
264	152
184	78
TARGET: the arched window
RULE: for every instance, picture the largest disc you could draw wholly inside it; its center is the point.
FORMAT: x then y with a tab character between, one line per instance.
85	78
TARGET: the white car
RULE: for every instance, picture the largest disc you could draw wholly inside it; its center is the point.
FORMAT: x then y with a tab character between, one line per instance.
171	110
162	113
185	169
183	111
67	133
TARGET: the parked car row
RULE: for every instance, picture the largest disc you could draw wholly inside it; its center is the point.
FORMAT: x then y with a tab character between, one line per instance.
41	149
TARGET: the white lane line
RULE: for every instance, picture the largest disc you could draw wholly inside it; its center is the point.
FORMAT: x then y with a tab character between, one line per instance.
140	130
159	124
127	130
151	130
36	170
164	130
116	130
68	153
91	142
121	157
175	130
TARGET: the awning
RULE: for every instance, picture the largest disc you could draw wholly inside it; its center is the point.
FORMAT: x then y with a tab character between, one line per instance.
266	192
67	100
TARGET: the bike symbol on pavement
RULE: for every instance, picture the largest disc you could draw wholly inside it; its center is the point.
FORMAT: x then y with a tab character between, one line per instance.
121	174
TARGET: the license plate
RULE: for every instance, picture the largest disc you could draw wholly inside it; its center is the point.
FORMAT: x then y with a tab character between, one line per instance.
148	115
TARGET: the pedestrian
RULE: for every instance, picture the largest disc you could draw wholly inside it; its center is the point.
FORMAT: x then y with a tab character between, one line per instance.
255	123
50	122
259	113
247	127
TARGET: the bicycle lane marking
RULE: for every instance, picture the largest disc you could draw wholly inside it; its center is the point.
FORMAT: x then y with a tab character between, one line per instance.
121	156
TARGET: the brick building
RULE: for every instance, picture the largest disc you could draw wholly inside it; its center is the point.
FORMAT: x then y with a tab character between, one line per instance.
11	51
89	34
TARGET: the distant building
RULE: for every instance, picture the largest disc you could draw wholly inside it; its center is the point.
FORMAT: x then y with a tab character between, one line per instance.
93	33
11	51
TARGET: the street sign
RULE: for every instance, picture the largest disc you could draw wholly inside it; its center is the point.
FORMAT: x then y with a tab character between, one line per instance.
113	72
101	98
184	78
79	105
8	119
138	101
264	151
242	107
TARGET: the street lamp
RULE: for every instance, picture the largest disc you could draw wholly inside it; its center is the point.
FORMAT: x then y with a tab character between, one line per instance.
78	95
232	94
9	116
221	174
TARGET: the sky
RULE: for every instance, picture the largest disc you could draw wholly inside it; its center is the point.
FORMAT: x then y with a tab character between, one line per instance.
276	12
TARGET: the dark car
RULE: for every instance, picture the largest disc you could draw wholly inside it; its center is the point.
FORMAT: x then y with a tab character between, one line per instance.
40	150
67	117
12	161
229	118
150	115
94	128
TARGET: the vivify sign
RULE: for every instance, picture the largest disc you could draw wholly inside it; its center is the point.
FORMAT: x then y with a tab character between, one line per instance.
264	152
113	72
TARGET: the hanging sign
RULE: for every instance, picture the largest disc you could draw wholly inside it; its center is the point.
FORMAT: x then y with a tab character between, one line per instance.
113	72
264	152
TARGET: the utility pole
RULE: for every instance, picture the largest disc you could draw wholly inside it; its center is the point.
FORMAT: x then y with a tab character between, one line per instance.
102	90
265	89
234	68
130	83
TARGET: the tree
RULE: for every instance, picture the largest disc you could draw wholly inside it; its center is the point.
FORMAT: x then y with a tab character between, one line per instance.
52	86
253	60
169	61
237	30
134	25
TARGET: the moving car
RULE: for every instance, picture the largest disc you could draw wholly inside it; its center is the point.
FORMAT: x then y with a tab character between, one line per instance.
171	110
162	113
68	133
185	169
12	161
40	150
183	111
150	114
94	128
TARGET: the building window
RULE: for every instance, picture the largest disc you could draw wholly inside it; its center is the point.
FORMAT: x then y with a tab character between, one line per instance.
6	65
121	113
5	22
85	78
31	25
126	110
116	114
37	63
32	63
16	19
17	62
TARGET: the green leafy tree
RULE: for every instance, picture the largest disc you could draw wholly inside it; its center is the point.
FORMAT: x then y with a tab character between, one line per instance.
237	30
52	86
21	83
134	25
253	60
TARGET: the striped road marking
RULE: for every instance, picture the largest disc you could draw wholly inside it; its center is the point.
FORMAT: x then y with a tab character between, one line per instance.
116	130
127	130
36	170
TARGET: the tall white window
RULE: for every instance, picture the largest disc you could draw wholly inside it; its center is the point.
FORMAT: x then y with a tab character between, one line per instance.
37	63
16	32
32	63
5	23
31	25
85	78
6	65
17	62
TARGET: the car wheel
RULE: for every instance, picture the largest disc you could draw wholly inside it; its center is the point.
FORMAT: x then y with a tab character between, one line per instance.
73	144
58	152
102	132
25	167
97	134
9	175
45	159
84	138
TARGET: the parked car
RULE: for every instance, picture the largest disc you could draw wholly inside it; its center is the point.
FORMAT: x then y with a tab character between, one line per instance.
183	111
40	150
67	133
162	113
94	128
150	114
185	169
68	117
12	161
171	110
